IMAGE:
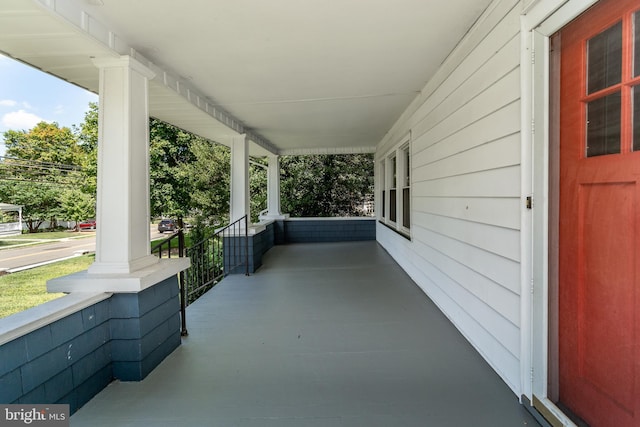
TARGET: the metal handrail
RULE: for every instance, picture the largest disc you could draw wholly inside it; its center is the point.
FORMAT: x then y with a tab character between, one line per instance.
164	246
158	248
215	256
212	258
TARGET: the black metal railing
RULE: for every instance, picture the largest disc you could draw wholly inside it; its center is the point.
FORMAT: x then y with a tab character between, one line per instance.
174	245
212	258
216	256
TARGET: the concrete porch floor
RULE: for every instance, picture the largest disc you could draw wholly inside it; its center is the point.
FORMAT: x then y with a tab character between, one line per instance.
325	335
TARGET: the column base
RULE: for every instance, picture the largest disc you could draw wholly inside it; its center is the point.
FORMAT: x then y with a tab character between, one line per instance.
268	216
123	267
139	280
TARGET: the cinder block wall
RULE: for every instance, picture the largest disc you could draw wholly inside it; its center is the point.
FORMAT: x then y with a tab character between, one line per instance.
72	359
279	232
329	230
145	328
68	361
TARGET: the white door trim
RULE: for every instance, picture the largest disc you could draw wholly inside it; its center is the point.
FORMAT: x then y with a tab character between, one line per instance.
539	21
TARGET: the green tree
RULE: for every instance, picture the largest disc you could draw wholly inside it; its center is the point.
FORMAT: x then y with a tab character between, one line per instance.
169	152
87	135
45	143
209	181
257	188
76	205
326	185
41	165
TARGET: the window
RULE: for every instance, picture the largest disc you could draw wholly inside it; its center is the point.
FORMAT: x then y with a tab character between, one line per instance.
636	89
395	188
392	191
612	92
383	199
406	187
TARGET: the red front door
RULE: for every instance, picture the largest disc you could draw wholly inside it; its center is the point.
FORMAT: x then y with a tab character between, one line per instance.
599	261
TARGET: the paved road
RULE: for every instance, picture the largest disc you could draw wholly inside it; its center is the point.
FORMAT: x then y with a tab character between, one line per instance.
28	255
12	258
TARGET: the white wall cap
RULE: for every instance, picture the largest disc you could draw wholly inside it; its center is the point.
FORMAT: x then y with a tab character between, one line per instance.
24	322
136	281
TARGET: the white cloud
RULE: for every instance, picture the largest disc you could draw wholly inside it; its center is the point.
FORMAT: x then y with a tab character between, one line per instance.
8	103
26	105
21	120
59	109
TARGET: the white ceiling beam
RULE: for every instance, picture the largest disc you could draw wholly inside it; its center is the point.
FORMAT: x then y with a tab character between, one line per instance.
327	150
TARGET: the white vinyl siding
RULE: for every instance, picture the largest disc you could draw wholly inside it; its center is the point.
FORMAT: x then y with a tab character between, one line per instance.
466	188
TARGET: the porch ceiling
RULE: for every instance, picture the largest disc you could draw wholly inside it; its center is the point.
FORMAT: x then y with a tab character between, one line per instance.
306	76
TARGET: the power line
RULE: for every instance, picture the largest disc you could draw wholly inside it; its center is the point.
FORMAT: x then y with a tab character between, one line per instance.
36	164
33	181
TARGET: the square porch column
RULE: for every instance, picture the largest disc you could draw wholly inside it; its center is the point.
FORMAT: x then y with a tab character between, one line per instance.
240	202
122	236
273	189
144	306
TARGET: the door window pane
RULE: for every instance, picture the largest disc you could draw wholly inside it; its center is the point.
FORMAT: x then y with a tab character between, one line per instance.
603	126
605	59
636	44
636	118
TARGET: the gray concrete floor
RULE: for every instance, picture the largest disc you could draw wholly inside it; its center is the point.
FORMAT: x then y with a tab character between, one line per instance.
324	335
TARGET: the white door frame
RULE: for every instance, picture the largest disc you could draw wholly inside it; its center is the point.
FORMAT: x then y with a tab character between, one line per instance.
540	20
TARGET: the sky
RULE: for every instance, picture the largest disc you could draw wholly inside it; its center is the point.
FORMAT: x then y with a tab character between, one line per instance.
29	96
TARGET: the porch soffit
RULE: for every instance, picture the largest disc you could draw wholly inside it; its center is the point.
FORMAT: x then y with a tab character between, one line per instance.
297	77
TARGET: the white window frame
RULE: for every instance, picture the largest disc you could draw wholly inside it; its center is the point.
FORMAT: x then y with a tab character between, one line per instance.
404	161
382	191
396	159
392	185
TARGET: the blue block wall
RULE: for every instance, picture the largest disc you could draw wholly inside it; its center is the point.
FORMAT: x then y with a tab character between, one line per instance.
278	233
281	232
329	230
259	244
72	359
67	361
145	328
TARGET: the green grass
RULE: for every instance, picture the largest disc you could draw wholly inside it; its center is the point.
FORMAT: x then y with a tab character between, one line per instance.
9	243
174	241
48	235
26	289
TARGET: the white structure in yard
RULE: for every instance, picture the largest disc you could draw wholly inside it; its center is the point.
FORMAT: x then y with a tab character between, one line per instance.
11	219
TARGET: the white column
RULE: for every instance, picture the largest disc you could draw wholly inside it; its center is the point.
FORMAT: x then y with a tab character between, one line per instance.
122	244
273	189
240	178
273	185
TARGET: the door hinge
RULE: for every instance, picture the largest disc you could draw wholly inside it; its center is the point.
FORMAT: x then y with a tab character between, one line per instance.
529	202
